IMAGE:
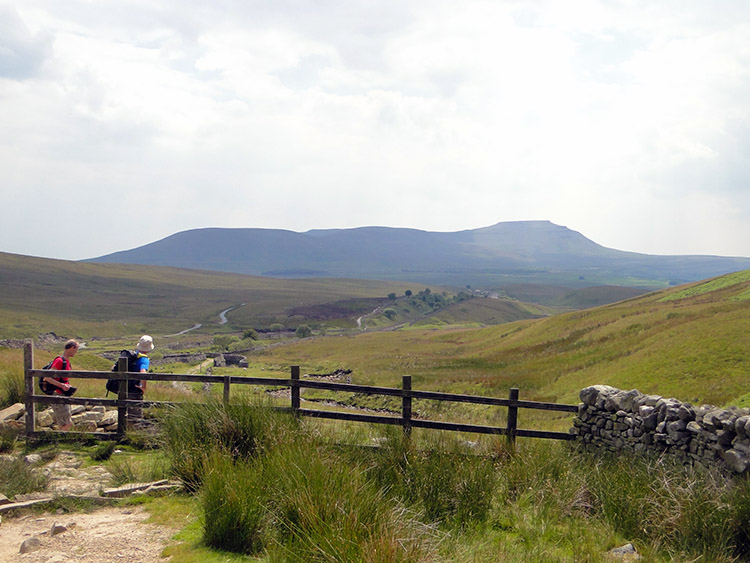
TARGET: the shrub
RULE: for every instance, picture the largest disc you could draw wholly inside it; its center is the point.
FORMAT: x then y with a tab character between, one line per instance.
301	502
11	382
192	433
103	451
233	506
445	482
303	331
138	469
692	511
17	477
8	439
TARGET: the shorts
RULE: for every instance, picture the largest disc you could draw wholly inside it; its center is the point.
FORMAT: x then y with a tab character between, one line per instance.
135	413
62	415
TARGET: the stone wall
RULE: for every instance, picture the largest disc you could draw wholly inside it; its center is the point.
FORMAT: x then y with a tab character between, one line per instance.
85	418
613	420
224	360
194	358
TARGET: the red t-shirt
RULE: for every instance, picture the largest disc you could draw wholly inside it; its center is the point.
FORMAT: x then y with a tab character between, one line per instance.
57	363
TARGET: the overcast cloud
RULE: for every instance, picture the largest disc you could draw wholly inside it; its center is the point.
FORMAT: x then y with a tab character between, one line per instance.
122	122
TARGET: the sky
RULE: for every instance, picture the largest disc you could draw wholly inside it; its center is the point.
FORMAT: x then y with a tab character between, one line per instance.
123	122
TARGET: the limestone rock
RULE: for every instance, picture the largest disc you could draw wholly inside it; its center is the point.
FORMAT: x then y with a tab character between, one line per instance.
86	426
30	544
45	418
109	418
625	553
13	412
589	395
736	461
57	529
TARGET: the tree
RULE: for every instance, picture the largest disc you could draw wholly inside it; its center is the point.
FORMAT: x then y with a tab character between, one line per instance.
303	331
407	292
392	296
390	313
223	341
250	333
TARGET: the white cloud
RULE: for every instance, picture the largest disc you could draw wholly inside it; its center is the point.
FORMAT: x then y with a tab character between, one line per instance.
625	121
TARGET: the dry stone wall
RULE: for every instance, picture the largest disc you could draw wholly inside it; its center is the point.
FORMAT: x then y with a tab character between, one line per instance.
85	418
614	420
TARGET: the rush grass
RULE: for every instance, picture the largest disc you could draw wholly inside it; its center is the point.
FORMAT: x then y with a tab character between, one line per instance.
289	494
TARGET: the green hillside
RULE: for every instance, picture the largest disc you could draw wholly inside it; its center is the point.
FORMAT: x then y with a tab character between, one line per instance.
74	298
694	348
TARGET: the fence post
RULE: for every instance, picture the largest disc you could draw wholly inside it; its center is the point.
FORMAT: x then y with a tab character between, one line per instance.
28	381
122	395
512	419
406	404
295	390
226	389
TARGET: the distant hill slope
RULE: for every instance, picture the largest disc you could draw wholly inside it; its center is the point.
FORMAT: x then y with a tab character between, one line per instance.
76	299
689	342
511	252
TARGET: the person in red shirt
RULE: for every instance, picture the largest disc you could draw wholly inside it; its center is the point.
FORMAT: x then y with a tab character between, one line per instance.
62	363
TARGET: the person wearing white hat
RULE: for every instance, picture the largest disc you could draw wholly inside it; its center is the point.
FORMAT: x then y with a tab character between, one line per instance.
144	346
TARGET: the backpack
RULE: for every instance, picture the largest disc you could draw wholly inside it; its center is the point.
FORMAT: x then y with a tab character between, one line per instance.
113	385
43	386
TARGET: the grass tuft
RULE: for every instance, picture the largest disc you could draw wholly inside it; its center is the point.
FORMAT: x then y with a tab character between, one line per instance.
17	477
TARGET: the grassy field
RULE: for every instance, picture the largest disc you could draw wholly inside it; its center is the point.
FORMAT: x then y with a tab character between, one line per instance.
693	348
547	503
80	299
689	342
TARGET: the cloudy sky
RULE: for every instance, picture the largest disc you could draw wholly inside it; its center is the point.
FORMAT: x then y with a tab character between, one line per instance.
125	121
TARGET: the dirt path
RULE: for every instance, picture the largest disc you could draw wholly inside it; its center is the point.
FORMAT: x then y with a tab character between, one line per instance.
108	534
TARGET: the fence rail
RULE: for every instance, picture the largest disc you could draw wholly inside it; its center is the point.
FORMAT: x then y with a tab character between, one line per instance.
406	419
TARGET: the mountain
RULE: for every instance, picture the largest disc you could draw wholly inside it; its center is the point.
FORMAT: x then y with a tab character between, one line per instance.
510	252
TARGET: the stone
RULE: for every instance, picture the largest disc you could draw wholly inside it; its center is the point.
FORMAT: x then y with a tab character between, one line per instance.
86	426
693	427
621	401
740	424
77	409
589	395
4	499
32	459
736	461
626	553
725	437
13	412
110	417
57	529
94	416
78	418
686	412
30	544
45	418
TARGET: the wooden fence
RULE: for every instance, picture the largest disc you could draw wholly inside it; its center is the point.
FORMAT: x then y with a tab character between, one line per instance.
407	421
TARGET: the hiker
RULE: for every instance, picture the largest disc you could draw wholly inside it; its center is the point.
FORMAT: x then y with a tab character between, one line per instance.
144	346
62	363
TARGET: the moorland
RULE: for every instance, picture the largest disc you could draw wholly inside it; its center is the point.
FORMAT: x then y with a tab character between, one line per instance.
429	500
